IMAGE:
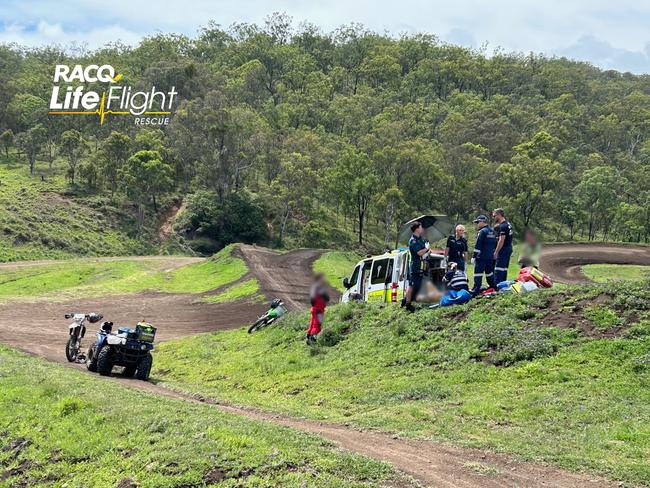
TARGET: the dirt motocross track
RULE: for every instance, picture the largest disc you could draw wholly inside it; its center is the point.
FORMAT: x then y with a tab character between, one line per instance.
564	262
40	329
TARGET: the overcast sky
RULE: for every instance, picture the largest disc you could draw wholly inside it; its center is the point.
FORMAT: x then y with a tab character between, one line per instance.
613	35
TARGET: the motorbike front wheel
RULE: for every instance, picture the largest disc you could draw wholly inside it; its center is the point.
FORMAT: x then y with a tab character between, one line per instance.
261	322
72	349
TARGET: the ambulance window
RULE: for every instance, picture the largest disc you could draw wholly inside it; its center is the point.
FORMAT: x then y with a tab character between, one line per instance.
354	277
389	273
379	272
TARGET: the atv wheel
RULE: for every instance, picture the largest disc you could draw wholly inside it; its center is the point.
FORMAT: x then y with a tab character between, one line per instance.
261	322
104	361
91	359
144	367
71	350
129	371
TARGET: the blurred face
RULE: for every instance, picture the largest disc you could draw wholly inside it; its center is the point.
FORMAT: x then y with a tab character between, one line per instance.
460	231
419	231
480	224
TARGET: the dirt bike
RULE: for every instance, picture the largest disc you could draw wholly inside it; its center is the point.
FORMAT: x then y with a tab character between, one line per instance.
273	314
76	331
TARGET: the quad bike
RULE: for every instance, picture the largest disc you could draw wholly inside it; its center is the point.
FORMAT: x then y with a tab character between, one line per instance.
274	313
129	348
76	331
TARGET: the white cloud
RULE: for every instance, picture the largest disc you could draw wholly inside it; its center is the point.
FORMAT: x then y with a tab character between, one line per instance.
46	33
606	33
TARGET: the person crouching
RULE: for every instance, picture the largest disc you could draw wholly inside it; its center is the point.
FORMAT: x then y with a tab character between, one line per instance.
319	299
455	279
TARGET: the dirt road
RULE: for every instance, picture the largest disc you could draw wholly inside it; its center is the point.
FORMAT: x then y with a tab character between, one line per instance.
39	328
563	262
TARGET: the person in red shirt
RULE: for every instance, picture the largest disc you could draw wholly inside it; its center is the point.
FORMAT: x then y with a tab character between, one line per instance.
319	300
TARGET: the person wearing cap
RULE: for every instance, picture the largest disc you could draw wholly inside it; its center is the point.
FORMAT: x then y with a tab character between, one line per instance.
483	256
455	278
503	250
456	249
418	247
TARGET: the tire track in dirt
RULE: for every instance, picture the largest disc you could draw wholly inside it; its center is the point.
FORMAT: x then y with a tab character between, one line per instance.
564	262
432	464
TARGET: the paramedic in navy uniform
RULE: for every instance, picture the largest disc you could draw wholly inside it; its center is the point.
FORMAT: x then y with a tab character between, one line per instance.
456	249
418	247
503	250
483	257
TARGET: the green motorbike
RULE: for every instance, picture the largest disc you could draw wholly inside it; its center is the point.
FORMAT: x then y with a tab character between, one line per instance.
273	314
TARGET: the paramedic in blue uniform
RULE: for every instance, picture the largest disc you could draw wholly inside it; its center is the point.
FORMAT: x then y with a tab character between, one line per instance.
503	250
456	249
483	257
418	247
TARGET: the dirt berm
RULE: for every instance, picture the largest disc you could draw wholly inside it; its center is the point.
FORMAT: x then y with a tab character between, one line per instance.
564	262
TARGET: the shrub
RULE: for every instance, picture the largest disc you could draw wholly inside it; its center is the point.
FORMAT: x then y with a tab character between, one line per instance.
212	225
315	234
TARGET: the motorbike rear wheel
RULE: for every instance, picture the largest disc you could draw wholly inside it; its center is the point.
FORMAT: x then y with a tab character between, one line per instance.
72	349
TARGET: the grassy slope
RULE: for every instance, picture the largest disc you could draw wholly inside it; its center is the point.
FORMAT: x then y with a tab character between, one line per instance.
88	277
80	430
489	374
602	273
41	219
248	289
336	265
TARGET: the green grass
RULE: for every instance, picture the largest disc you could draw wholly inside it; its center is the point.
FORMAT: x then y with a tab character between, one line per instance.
245	289
527	375
63	427
220	270
47	219
602	273
336	265
92	277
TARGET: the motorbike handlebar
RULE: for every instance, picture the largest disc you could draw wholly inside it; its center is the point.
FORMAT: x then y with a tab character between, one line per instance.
72	315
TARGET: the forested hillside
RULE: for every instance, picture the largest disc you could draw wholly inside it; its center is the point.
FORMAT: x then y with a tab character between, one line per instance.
288	135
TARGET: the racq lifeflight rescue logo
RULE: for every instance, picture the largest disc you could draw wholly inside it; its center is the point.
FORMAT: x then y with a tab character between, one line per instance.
70	96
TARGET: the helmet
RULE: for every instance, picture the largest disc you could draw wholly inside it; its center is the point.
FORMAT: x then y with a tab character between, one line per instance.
94	317
107	326
276	303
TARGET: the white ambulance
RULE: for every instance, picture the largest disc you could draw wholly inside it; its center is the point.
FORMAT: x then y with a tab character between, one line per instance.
382	278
